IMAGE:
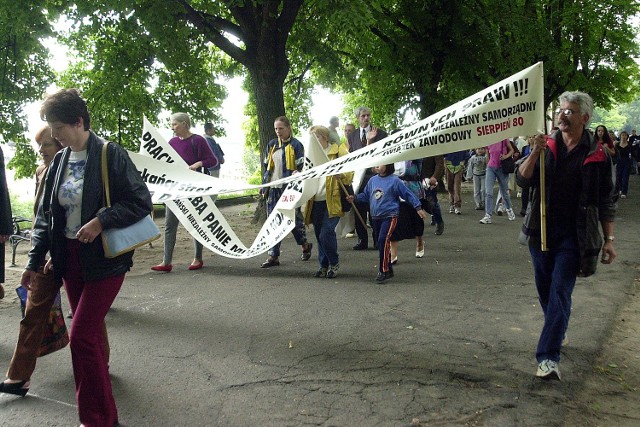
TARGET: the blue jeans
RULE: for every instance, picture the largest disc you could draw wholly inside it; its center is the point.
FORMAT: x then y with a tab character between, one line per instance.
325	229
623	170
555	273
503	183
479	190
298	232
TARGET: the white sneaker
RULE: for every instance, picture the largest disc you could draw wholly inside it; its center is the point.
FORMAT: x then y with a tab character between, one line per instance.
486	220
451	209
511	215
500	209
548	370
457	211
332	271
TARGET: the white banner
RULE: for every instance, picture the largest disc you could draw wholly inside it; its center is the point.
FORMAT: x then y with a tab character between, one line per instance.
169	177
514	106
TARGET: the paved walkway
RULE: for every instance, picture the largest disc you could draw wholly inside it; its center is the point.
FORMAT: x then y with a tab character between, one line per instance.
450	340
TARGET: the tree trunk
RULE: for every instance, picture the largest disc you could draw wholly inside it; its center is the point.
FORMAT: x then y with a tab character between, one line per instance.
269	97
264	27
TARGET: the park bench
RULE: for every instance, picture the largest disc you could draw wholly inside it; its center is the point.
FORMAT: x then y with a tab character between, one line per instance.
20	234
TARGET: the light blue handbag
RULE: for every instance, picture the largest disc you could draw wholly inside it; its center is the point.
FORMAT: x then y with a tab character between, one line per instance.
117	241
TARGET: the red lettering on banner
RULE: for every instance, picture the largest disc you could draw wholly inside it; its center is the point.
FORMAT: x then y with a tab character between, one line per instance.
491	129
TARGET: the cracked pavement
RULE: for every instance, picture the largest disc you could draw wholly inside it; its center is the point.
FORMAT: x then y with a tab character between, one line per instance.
449	341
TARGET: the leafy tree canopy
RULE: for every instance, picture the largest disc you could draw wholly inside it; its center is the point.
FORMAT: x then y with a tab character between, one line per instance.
24	73
417	56
402	58
131	65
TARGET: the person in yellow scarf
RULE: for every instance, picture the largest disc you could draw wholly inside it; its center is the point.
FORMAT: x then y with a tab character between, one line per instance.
325	208
283	158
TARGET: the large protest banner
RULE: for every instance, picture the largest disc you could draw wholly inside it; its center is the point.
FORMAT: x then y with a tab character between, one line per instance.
513	106
170	180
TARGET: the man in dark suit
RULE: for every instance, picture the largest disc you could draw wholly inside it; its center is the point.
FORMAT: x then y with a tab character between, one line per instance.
363	136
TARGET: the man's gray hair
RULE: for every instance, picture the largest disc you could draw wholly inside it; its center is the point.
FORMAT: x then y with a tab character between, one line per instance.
359	110
583	100
182	117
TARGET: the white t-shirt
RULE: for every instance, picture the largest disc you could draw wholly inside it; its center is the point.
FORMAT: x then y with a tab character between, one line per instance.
70	193
276	156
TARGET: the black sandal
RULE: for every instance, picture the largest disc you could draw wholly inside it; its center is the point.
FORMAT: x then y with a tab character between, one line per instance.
14	388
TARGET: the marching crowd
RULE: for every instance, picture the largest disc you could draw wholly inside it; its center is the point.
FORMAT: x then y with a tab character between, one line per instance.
584	174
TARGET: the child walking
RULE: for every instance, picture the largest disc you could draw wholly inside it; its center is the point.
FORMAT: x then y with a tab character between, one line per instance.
478	169
454	169
383	191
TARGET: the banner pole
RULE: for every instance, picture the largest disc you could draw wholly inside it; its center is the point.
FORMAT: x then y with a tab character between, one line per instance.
353	205
543	206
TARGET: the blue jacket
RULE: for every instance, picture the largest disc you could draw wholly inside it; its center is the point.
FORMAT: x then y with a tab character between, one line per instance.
292	158
383	194
457	157
217	151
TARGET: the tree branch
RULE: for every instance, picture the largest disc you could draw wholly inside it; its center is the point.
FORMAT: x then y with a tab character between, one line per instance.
290	10
300	77
213	31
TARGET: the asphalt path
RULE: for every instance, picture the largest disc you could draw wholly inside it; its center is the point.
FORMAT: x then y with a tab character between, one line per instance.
450	340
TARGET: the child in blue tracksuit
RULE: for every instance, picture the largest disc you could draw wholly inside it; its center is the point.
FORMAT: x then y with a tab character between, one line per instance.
383	191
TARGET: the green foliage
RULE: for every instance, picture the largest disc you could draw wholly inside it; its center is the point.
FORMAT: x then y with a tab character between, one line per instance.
25	160
255	179
415	56
402	58
126	73
632	113
589	47
622	116
250	126
24	72
244	193
20	208
251	160
410	58
613	119
297	96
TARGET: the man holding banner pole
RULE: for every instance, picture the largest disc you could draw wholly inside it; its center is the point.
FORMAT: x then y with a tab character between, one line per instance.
579	197
361	137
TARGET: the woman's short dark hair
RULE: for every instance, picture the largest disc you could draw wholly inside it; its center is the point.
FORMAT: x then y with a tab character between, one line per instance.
389	169
65	106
